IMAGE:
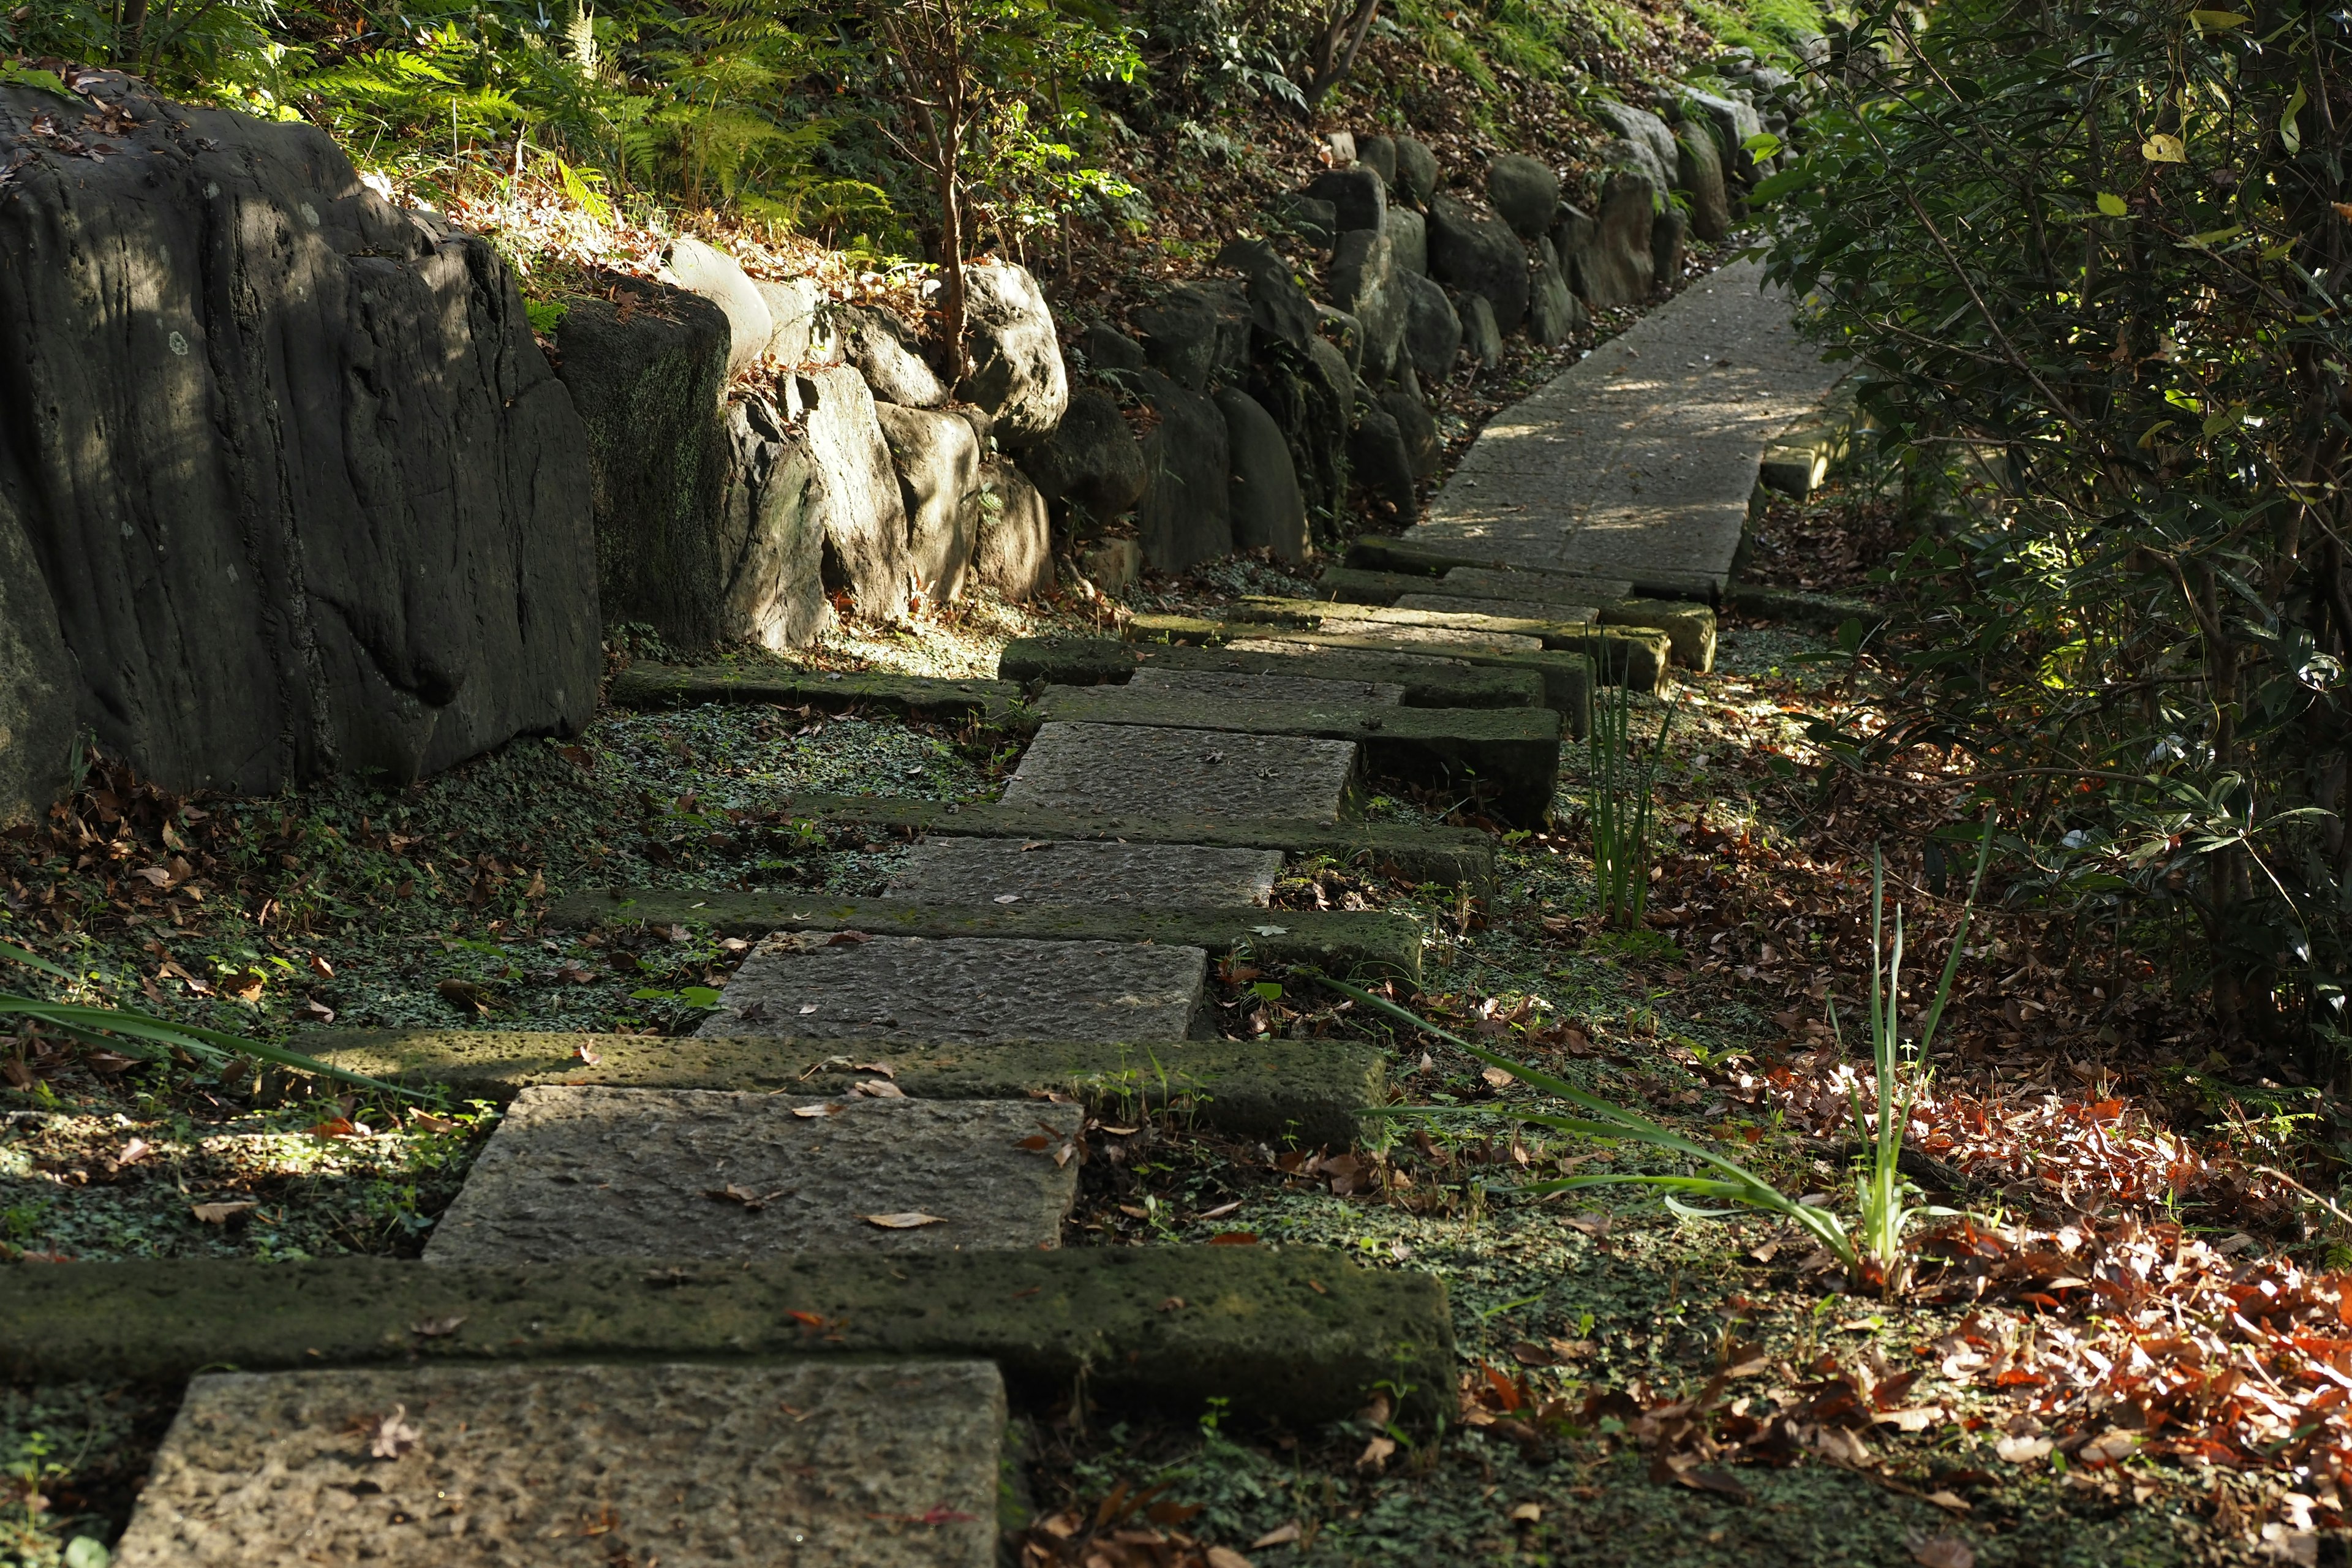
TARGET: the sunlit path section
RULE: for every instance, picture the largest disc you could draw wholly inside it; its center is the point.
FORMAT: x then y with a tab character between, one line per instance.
1638	462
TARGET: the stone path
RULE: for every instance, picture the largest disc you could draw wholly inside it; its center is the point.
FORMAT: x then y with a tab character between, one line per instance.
1641	458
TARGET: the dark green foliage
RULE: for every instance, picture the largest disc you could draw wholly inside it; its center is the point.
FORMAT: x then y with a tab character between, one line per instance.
2095	250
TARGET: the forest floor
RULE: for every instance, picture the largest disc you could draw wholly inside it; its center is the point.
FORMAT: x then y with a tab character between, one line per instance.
1636	1386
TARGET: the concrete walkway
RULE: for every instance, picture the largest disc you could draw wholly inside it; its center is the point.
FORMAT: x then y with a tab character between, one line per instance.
1639	460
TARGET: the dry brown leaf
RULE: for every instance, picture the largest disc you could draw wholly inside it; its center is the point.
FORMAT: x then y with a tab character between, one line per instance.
393	1435
1226	1557
1943	1551
813	1111
436	1328
1375	1457
2022	1450
910	1220
220	1214
1281	1535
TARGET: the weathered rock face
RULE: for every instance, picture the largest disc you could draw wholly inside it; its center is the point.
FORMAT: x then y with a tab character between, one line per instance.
1366	285
1280	312
1480	255
704	269
1184	517
1196	333
646	376
937	459
304	492
1700	172
1014	550
887	356
1382	463
1359	195
1553	313
1408	234
1418	429
1309	393
1378	154
800	336
771	532
1433	332
37	725
1617	268
1524	190
1667	233
1092	458
864	518
1650	135
1267	509
1016	357
1110	350
1316	222
1416	171
1482	340
1733	123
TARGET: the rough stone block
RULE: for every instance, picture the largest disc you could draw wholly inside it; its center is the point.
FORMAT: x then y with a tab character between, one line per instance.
1511	609
952	990
1178	773
1690	628
1026	871
589	1172
580	1466
1303	687
1554	587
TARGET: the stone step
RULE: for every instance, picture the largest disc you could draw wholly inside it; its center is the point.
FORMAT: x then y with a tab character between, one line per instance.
1518	595
1797	606
961	990
1450	856
1431	558
1312	1091
708	1174
1630	656
1798	459
1298	1333
912	696
791	1465
1065	871
1266	688
1429	680
1116	765
1514	753
1386	943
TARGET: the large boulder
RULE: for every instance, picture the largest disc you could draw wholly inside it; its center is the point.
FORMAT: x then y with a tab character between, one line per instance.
1280	310
1382	463
1315	221
1482	340
37	723
647	374
1309	391
1478	254
1012	552
1699	172
1617	268
937	459
1416	171
886	353
1525	191
1433	332
1418	429
304	492
1267	508
1197	333
1185	516
1017	373
1652	139
863	514
772	532
1366	285
706	270
798	310
1358	194
1408	234
1092	458
1667	232
1378	153
1109	352
1553	312
1732	122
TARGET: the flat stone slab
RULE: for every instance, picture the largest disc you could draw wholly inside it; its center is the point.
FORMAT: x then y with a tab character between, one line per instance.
1643	455
1064	871
793	1465
1288	1330
680	1173
1114	765
1428	679
1266	688
1510	754
961	990
1540	587
1516	609
1618	653
1390	943
1315	1091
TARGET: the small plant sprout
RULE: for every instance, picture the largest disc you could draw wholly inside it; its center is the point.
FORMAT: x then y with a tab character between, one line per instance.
1619	805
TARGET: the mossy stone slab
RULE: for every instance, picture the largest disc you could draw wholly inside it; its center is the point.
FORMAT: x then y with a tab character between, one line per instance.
627	1173
1689	628
1512	753
1084	872
961	990
914	695
1378	942
799	1465
1289	688
1295	1332
1312	1092
1309	1092
1113	764
1430	679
